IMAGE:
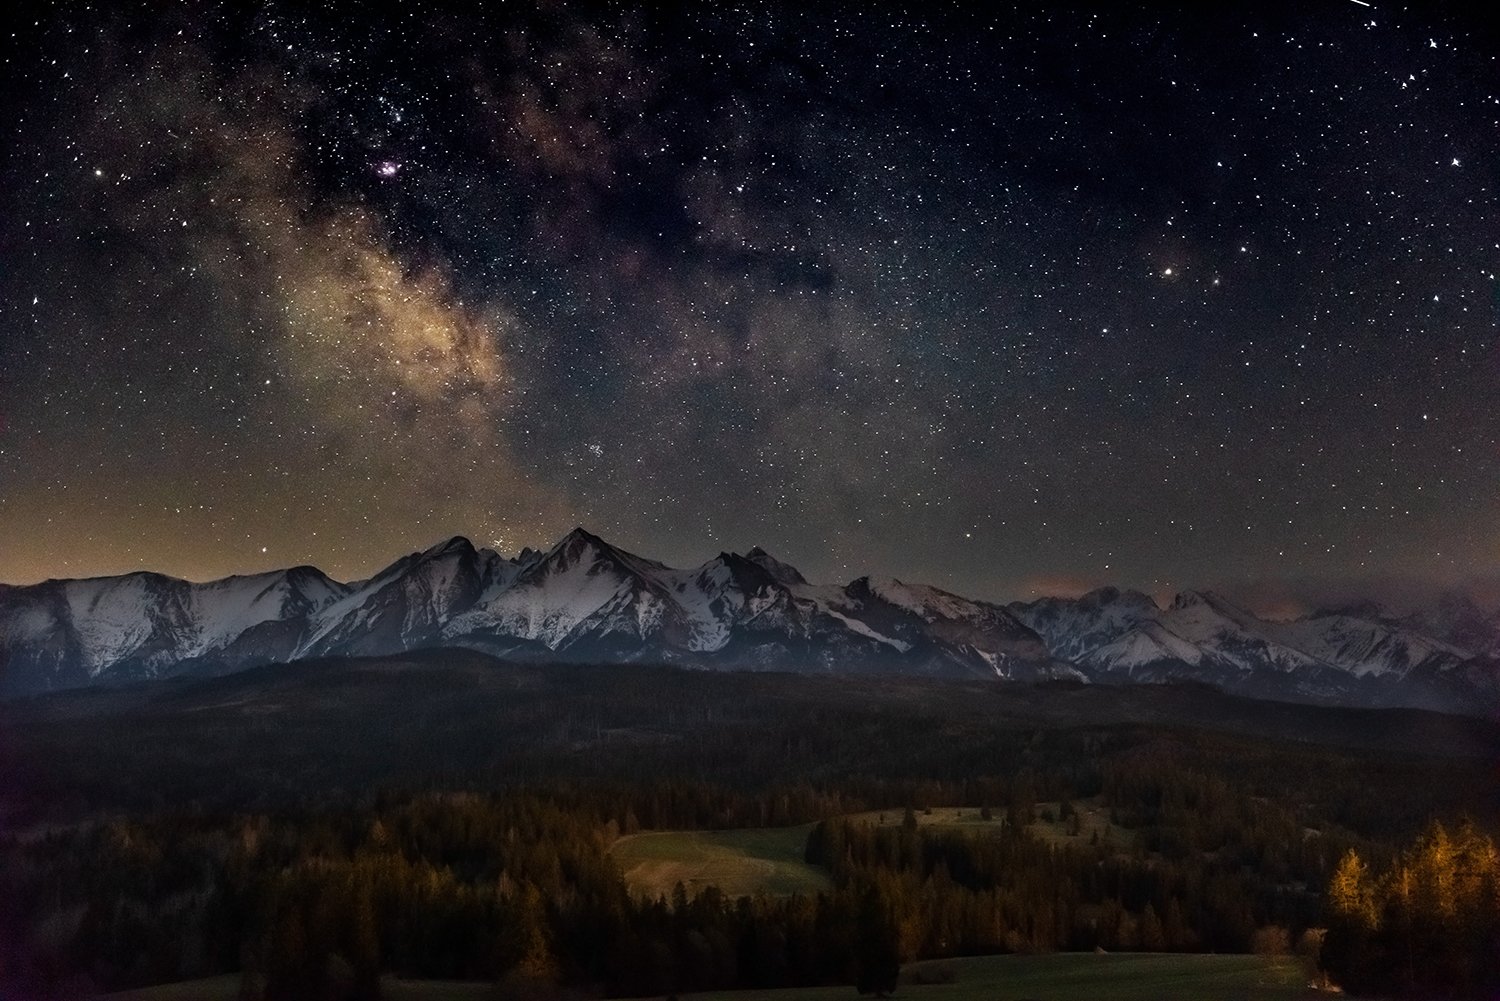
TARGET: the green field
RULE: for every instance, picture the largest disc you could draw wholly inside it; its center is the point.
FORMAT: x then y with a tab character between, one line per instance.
769	859
738	862
1079	977
1093	820
227	988
1065	977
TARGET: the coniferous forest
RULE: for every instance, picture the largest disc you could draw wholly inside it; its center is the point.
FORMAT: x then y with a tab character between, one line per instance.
317	829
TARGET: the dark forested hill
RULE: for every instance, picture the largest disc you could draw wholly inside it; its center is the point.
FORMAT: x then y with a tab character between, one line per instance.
278	733
446	814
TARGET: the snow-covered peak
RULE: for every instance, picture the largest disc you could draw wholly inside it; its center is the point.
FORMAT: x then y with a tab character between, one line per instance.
458	545
578	538
927	603
1202	614
783	572
1363	646
1457	619
224	610
1074	628
1211	599
1211	607
582	547
1145	645
727	572
309	580
1231	635
116	616
552	596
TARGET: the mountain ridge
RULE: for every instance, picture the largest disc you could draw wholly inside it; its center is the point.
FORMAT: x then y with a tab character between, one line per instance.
586	600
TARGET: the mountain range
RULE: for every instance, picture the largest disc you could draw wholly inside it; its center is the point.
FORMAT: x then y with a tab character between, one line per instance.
586	601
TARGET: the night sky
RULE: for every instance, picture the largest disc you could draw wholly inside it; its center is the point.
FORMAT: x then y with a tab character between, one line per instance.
1009	302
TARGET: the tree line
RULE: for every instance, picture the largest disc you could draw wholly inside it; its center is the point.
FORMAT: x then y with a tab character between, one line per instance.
519	885
1426	924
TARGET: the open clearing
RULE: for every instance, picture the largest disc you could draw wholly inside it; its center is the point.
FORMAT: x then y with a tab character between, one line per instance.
227	988
1063	977
1093	823
1080	977
739	862
769	859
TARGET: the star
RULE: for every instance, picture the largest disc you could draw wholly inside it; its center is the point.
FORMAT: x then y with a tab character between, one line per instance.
464	298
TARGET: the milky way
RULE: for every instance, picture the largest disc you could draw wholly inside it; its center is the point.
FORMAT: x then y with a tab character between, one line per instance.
1014	302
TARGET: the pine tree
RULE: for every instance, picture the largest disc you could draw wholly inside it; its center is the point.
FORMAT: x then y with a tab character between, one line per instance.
1350	894
877	967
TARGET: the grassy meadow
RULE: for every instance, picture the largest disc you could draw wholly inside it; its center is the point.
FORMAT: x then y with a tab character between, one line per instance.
740	862
1075	977
227	988
1060	977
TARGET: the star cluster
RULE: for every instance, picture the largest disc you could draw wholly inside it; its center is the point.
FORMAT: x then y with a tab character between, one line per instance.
1012	301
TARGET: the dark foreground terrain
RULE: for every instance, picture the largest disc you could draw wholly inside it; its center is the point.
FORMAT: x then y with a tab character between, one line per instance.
324	826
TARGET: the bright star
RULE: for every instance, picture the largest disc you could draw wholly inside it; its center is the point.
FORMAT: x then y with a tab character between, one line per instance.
387	168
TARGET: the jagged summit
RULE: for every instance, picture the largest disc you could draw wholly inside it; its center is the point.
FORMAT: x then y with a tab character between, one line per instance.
1187	599
580	536
575	544
784	572
458	544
